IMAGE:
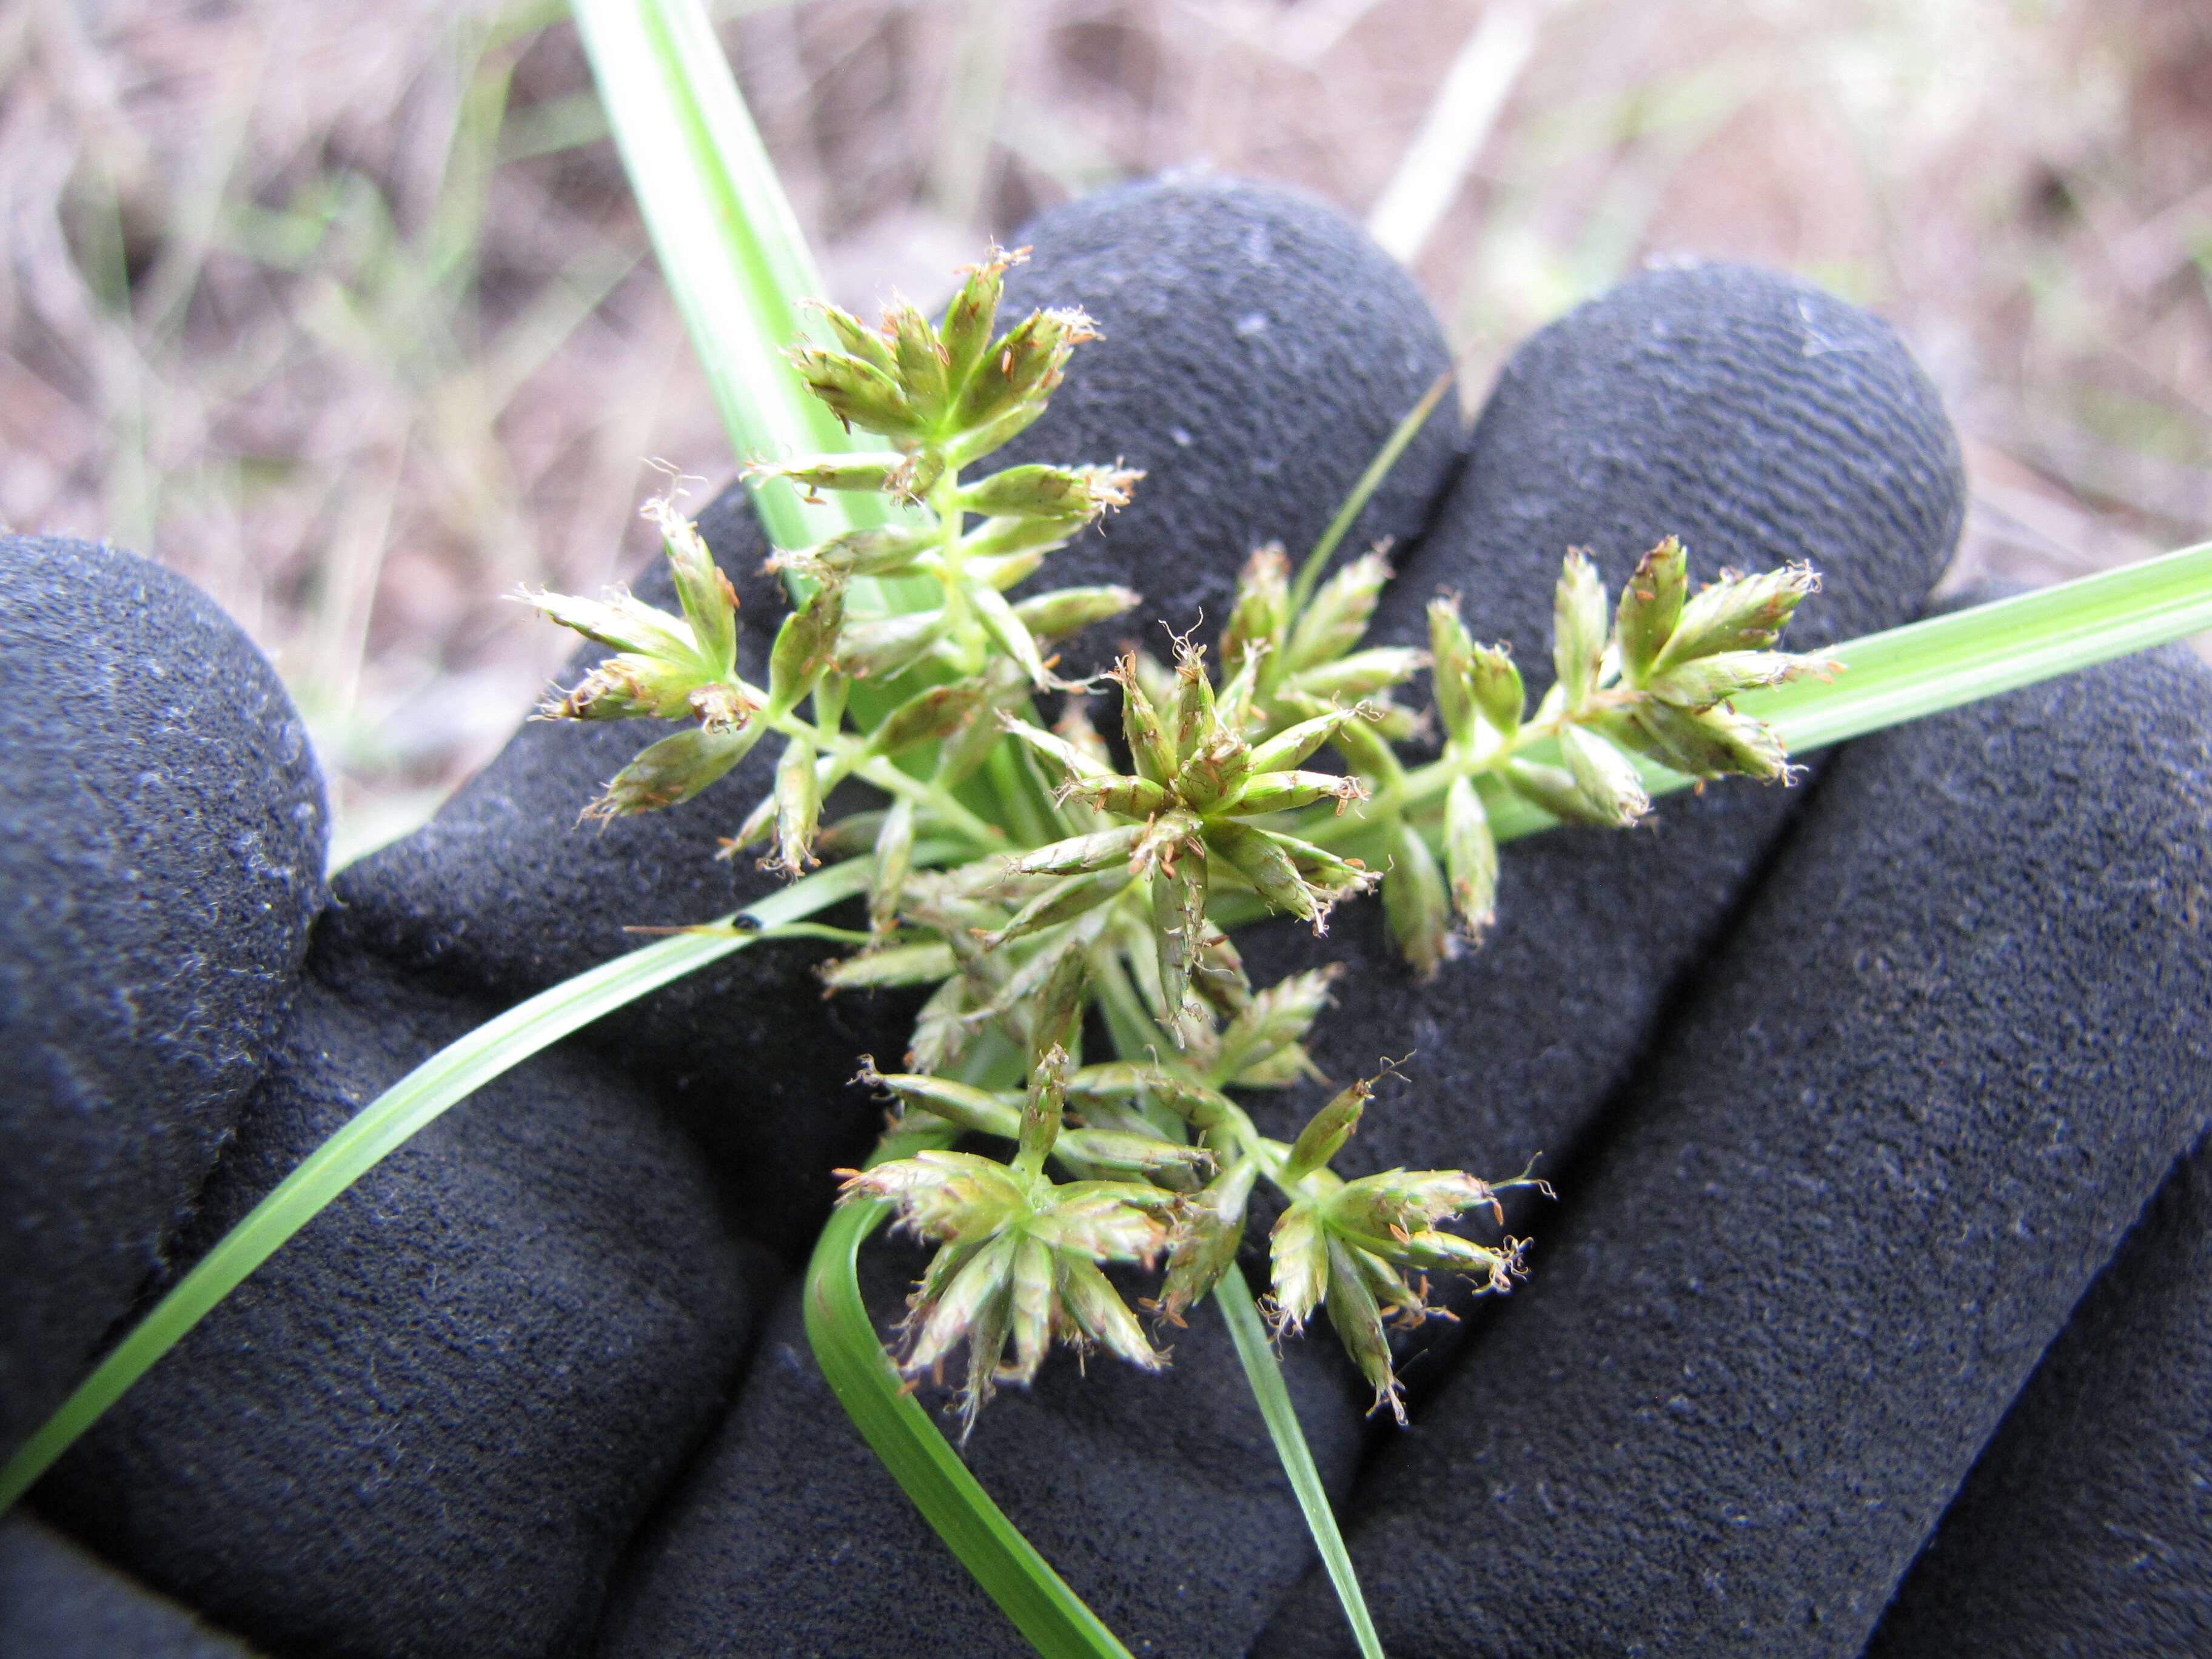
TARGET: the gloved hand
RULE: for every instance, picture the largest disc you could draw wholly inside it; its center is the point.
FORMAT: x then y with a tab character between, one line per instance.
1850	1092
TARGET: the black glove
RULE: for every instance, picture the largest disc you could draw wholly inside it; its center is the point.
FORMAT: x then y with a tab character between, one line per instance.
431	1422
1849	1163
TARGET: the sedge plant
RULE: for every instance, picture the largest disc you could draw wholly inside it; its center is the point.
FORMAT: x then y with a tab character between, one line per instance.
1083	909
1056	891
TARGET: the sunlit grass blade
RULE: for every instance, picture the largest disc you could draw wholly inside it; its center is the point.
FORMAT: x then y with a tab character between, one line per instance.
384	1124
1266	1376
1928	666
731	253
728	245
1049	1615
1924	668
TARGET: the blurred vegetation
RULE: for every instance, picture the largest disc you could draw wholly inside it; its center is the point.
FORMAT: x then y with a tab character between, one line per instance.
344	313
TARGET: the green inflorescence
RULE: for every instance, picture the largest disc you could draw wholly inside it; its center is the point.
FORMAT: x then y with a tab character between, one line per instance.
1084	886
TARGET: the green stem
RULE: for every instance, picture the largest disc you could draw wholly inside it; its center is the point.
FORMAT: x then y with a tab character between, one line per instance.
1128	1021
986	835
1409	790
1265	1374
962	624
880	771
1003	765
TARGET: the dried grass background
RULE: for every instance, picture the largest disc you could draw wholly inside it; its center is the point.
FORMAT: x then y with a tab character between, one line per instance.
342	311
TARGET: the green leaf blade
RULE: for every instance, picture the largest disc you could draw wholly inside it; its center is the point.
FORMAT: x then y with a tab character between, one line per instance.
1264	1376
1925	668
727	240
1050	1616
381	1127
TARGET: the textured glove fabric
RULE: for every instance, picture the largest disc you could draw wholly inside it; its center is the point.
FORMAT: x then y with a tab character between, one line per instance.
2086	1528
160	854
429	1423
1907	1112
60	1601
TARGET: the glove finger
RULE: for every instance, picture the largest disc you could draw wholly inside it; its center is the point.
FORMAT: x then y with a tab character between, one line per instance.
467	1378
1911	1108
429	1423
1159	1498
1765	421
2082	1528
59	1602
1257	351
1754	413
161	835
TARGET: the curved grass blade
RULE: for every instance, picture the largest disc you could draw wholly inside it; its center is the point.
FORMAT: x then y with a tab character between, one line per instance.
384	1124
1049	1615
1265	1375
731	251
913	1447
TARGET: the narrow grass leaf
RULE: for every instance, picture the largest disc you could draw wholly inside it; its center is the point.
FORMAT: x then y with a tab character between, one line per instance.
1924	668
385	1125
1369	482
1050	1616
728	245
1265	1375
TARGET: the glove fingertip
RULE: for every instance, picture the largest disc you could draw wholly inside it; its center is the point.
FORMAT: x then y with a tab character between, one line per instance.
162	836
